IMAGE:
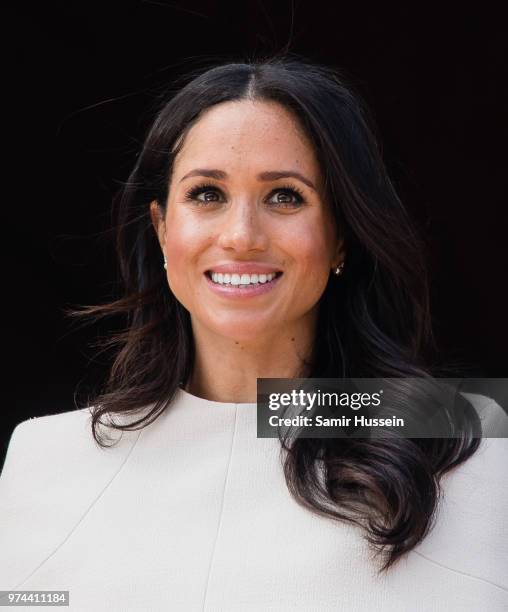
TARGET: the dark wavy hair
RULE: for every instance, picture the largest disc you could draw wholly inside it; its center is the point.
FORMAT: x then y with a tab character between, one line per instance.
374	321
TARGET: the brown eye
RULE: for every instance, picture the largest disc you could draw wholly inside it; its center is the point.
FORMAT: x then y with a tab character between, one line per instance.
208	191
285	197
288	197
207	195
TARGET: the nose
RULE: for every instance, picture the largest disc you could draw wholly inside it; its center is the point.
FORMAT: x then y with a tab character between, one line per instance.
241	228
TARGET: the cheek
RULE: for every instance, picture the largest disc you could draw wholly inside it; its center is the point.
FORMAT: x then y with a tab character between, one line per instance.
185	242
184	238
177	248
310	250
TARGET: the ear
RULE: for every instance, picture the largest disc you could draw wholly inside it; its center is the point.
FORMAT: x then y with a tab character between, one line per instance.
158	222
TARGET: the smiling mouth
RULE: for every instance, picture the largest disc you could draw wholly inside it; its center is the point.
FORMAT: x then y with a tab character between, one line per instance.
228	283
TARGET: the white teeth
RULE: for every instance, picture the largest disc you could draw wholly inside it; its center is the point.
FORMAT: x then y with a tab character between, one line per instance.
241	279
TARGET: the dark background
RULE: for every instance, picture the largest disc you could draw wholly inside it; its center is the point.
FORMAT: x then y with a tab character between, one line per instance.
85	73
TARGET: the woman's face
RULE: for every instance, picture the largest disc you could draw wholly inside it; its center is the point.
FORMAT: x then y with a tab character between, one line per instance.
247	213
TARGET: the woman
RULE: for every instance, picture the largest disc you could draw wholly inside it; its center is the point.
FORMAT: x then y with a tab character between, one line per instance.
287	254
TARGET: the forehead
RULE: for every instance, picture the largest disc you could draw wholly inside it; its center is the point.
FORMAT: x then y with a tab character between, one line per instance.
246	135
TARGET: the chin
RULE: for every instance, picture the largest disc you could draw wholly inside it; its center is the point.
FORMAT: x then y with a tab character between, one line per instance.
242	331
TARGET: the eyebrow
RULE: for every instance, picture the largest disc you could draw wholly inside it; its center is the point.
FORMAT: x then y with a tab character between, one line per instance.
269	175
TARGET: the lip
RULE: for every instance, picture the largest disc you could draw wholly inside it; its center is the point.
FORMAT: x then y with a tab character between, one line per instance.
245	267
236	291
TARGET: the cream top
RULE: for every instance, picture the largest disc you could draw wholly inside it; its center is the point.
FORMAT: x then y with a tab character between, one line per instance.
193	513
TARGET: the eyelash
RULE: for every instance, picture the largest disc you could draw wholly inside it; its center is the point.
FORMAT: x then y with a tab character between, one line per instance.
192	194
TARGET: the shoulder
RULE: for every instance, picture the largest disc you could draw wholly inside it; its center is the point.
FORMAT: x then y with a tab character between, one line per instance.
470	533
493	417
53	473
50	424
33	438
47	448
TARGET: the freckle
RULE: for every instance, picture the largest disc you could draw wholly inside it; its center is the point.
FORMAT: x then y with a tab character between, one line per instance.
292	339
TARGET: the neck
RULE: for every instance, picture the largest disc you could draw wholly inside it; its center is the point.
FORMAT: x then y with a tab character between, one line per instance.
227	369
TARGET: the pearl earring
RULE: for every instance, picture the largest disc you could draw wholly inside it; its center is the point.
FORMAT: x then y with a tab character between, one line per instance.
165	263
339	268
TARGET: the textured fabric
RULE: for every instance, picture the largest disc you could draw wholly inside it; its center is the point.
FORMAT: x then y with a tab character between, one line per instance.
192	513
